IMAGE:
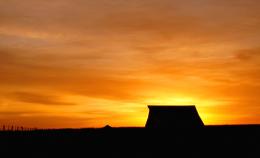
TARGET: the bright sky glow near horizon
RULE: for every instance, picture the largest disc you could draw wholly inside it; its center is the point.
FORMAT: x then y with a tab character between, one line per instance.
89	63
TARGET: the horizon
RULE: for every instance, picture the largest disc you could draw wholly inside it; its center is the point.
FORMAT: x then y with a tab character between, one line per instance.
78	63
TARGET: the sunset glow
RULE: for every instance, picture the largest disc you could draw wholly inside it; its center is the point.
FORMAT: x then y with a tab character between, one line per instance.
89	63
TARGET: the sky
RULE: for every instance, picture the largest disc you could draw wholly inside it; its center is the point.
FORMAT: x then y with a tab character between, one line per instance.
89	63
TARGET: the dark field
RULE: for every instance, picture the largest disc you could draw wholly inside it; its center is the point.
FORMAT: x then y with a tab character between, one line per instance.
209	141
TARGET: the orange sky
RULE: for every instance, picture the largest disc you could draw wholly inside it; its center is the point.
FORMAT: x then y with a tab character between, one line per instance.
88	63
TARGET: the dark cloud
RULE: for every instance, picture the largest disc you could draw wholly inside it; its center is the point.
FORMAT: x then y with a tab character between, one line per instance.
41	121
37	98
12	113
248	54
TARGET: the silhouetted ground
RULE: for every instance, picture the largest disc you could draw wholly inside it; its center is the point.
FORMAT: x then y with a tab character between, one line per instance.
209	141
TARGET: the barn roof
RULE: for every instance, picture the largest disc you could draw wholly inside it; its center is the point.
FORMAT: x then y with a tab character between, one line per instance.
173	116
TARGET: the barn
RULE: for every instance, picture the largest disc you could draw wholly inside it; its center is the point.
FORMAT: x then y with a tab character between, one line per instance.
175	116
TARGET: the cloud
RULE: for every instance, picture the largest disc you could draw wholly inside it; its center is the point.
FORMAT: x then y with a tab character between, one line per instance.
39	121
36	98
166	19
248	54
25	69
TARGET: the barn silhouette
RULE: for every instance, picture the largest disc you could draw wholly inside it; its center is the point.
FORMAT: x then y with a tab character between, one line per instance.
173	117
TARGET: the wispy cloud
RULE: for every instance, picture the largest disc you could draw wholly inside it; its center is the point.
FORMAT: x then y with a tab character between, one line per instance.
248	54
37	98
